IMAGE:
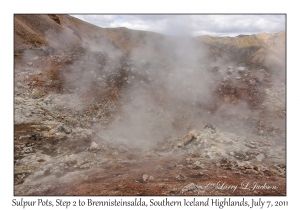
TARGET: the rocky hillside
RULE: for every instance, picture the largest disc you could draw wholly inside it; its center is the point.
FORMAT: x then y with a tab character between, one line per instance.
39	31
265	50
65	32
43	31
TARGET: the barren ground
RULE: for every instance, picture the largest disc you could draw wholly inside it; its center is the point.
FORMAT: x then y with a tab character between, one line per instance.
74	125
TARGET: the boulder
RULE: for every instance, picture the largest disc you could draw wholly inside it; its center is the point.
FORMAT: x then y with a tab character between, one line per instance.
151	178
66	129
145	177
191	188
241	69
190	137
260	157
94	146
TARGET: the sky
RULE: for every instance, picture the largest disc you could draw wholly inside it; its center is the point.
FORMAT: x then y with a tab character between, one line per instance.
192	25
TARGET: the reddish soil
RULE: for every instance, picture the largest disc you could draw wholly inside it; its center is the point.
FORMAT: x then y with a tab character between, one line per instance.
127	180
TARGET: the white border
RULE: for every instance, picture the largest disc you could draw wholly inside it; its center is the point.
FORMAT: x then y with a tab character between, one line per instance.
237	6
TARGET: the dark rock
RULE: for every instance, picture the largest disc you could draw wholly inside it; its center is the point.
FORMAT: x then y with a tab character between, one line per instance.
66	129
239	156
282	165
196	174
55	18
209	126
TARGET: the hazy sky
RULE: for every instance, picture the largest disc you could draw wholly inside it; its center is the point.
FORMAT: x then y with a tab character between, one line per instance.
193	25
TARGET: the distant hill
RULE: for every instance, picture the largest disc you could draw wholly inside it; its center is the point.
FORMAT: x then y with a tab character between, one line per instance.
265	50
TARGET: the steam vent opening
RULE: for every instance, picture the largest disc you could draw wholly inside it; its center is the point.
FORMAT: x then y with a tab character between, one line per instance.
119	111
